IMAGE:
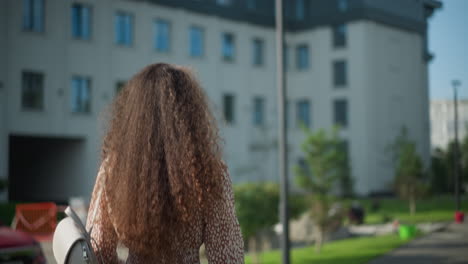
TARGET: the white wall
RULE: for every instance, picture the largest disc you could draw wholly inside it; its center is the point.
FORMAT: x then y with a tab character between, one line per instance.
386	77
397	96
387	89
443	122
3	95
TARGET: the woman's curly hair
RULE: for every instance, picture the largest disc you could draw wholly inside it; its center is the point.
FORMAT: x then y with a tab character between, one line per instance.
164	158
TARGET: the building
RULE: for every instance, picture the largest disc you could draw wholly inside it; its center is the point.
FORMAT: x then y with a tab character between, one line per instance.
361	64
443	122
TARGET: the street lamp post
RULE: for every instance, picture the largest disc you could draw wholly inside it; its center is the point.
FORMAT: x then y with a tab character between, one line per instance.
455	84
283	168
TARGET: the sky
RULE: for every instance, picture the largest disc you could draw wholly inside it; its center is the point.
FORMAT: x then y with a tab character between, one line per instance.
448	41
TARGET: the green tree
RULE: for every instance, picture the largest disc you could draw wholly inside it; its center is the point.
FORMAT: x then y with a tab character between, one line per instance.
440	177
346	181
256	206
410	179
443	164
257	209
325	168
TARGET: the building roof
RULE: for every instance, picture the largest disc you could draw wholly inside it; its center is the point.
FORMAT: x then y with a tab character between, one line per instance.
406	14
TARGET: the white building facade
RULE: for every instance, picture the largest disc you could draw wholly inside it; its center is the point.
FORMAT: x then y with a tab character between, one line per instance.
443	122
361	64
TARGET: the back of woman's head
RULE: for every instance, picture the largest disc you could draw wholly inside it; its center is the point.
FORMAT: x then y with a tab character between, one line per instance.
164	161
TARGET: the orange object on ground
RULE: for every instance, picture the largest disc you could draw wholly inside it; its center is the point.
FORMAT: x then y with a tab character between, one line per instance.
37	219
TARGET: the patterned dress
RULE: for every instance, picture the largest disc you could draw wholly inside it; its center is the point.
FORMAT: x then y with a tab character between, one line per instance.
217	228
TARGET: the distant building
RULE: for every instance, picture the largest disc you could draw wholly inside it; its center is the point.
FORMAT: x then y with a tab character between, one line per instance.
361	64
443	122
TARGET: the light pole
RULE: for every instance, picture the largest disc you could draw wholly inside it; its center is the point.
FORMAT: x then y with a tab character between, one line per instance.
283	168
455	84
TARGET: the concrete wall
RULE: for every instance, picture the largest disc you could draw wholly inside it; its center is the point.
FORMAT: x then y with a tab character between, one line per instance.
53	54
443	122
386	85
387	90
397	96
3	94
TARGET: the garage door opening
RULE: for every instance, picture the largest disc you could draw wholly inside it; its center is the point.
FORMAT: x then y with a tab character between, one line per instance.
44	168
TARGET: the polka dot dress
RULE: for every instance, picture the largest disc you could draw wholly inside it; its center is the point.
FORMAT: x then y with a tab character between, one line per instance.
217	228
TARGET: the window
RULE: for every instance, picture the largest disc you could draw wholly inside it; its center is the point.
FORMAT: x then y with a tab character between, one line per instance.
300	9
33	15
258	50
339	35
302	53
80	95
224	2
228	106
340	112
252	5
339	73
342	5
196	41
286	57
81	21
227	49
161	35
303	113
259	111
123	29
32	94
119	86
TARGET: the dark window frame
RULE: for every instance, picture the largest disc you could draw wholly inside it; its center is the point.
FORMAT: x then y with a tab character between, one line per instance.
342	5
258	56
87	108
341	112
340	35
201	30
340	73
259	107
300	11
156	32
228	38
252	5
30	80
119	41
30	22
80	35
302	63
300	119
229	108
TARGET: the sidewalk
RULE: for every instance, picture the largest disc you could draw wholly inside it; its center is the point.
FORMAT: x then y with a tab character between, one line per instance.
449	246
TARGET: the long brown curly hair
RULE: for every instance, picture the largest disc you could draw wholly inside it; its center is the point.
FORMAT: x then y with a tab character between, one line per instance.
164	157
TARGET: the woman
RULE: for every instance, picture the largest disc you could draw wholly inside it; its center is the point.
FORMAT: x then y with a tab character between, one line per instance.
163	190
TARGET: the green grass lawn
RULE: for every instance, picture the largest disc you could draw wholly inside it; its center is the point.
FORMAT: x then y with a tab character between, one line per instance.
428	210
349	251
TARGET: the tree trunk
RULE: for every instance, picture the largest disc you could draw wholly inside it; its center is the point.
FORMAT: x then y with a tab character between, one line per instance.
412	204
318	239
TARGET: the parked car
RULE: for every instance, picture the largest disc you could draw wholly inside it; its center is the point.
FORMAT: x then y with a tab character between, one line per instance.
17	247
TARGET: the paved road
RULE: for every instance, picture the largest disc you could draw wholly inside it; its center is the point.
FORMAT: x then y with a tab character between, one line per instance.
445	247
47	249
